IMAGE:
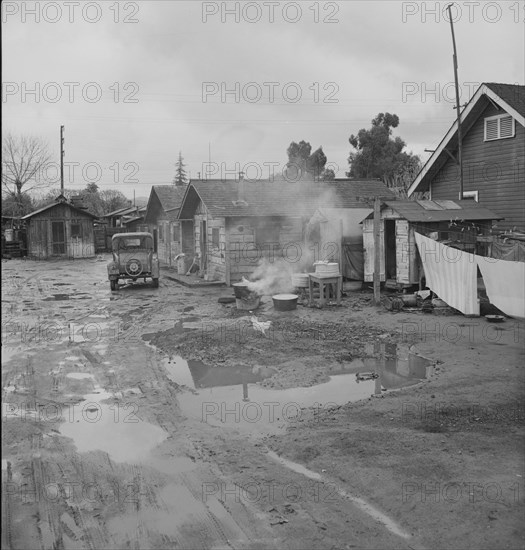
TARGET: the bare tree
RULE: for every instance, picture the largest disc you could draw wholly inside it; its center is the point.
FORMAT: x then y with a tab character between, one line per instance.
23	158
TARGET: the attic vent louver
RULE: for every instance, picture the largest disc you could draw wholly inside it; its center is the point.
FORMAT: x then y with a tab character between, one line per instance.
499	127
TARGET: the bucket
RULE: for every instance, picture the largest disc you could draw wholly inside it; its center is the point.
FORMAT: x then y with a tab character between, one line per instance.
241	290
352	285
247	304
285	302
9	235
300	280
326	268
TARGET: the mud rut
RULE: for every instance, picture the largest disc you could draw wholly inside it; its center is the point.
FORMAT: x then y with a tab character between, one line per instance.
55	497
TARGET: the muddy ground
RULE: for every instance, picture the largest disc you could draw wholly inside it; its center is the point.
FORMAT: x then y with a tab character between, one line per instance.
160	418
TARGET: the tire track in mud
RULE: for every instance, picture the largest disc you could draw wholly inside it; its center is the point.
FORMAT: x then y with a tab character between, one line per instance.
168	509
199	527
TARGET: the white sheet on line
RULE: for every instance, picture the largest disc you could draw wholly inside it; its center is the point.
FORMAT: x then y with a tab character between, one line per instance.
450	273
505	284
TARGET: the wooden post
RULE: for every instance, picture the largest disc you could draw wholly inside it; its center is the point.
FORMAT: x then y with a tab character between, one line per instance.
377	251
341	247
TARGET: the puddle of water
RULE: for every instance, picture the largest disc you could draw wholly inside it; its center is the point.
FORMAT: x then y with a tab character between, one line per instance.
229	396
179	512
366	507
13	410
196	374
116	429
183	508
57	297
79	375
252	407
8	352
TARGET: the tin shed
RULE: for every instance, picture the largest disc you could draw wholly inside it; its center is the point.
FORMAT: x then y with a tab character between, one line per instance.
460	224
60	230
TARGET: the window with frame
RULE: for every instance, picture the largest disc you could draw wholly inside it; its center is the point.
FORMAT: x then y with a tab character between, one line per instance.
471	195
499	127
76	230
161	232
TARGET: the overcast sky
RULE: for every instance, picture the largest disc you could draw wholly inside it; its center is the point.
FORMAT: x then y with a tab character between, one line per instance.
243	79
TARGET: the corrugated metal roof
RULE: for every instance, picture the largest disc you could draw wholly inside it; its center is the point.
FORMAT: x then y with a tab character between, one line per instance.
278	198
414	211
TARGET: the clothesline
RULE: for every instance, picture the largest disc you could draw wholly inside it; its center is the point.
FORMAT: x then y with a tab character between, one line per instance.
454	278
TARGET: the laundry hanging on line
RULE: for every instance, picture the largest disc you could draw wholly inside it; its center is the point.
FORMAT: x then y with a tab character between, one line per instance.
450	273
505	284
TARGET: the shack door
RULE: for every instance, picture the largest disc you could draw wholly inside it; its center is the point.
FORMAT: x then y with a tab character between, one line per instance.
58	234
203	244
368	244
405	254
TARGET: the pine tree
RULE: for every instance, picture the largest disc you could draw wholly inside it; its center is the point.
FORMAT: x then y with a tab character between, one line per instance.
180	174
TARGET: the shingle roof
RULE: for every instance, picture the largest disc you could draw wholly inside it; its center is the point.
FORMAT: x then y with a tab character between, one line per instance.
264	198
121	211
170	196
512	94
440	210
49	206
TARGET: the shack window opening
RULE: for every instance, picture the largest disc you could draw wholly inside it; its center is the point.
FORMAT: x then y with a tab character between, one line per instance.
215	237
267	233
76	230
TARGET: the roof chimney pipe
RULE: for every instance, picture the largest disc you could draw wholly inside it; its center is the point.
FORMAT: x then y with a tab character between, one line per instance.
241	191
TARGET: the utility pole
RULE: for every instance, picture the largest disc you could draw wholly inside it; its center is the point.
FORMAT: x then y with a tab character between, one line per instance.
377	251
61	160
455	58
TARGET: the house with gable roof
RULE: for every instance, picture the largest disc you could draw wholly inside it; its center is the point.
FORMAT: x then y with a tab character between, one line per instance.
60	230
161	218
493	153
238	223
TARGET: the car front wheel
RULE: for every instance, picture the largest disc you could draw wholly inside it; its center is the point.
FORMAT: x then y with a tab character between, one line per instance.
113	285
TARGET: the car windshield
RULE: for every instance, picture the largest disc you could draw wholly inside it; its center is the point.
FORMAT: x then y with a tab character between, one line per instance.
132	243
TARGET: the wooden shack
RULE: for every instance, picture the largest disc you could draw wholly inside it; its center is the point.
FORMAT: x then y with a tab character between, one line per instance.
172	235
334	230
60	230
460	224
240	224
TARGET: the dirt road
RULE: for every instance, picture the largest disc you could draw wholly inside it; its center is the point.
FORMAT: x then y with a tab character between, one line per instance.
159	418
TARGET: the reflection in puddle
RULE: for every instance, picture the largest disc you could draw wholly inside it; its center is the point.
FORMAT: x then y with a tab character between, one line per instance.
182	507
8	352
57	297
196	374
230	396
116	428
79	375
